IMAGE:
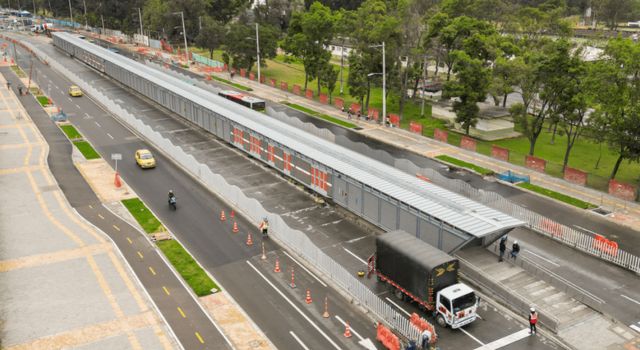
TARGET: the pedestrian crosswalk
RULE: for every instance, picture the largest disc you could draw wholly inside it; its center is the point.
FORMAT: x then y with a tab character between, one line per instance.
635	326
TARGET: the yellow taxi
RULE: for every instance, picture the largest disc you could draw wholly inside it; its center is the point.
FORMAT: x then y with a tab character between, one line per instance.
75	91
145	159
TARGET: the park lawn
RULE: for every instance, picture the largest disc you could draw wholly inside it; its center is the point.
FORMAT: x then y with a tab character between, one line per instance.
71	132
320	115
87	150
43	100
188	268
142	214
461	163
556	195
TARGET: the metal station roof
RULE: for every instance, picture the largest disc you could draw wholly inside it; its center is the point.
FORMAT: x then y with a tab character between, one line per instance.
460	212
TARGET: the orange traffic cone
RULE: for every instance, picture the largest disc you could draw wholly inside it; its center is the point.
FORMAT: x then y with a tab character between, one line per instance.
277	268
347	331
233	214
325	314
235	227
117	181
222	217
308	298
249	240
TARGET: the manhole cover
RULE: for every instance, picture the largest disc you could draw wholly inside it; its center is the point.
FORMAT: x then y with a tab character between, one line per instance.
601	211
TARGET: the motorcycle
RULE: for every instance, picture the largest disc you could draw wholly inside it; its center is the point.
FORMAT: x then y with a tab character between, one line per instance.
172	203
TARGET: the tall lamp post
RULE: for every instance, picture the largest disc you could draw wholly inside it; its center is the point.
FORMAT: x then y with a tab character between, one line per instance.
140	17
257	39
71	14
384	84
184	34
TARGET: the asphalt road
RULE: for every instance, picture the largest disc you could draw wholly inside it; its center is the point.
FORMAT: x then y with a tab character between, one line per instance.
196	331
277	309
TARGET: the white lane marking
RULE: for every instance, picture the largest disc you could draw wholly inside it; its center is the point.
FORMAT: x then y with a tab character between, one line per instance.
586	229
471	336
356	239
294	306
77	106
354	255
635	328
69	98
398	306
502	342
98	124
304	268
628	298
543	258
350	328
110	136
298	340
87	114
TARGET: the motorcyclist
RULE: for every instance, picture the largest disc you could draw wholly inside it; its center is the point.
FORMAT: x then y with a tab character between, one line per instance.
172	197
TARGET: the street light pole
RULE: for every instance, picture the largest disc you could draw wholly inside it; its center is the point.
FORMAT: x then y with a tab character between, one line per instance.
184	34
258	50
140	16
71	14
424	83
86	24
384	87
102	18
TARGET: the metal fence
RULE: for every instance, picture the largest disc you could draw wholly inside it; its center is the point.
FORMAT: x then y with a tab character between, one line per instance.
290	238
207	61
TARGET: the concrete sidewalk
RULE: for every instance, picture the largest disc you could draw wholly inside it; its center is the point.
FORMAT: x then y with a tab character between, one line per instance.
63	282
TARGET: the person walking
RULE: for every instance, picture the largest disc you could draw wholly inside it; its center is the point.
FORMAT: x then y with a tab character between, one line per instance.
533	319
515	250
503	247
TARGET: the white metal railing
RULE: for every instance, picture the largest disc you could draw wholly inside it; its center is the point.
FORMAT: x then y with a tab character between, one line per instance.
292	239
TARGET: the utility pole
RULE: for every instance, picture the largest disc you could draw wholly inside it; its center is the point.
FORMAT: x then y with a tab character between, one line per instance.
102	19
86	25
258	50
341	65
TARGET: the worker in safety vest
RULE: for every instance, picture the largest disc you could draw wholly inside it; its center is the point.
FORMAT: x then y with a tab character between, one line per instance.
533	319
264	227
425	339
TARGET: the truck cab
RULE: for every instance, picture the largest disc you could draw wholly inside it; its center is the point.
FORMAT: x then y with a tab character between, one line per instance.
456	306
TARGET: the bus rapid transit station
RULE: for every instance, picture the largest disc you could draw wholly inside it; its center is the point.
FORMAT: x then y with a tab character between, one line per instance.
381	194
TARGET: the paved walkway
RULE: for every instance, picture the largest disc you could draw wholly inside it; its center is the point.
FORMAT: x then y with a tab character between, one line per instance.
63	282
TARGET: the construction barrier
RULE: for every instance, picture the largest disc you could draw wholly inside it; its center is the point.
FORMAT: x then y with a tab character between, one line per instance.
297	89
423	325
468	143
323	98
338	102
309	94
440	135
622	190
387	338
284	86
576	176
604	245
415	127
394	119
500	153
535	163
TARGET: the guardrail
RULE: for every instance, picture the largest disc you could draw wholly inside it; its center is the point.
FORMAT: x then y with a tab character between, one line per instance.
294	240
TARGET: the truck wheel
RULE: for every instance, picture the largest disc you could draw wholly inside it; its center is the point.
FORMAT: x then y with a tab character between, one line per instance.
399	295
441	321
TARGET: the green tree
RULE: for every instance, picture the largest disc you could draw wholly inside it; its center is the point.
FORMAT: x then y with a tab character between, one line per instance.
616	81
242	49
612	12
470	88
357	81
211	35
328	77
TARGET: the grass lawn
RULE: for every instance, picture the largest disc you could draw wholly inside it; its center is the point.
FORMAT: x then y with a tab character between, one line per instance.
235	85
321	116
86	149
556	195
195	276
461	163
44	100
143	215
71	132
18	72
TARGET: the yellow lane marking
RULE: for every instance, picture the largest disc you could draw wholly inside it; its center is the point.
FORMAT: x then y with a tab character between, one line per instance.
181	312
152	271
116	227
140	255
130	241
100	216
166	290
199	338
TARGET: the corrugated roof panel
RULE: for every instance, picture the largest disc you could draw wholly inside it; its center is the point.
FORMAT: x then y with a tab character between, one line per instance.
456	210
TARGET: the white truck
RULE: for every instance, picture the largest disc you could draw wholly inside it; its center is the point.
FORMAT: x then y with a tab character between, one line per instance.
425	275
